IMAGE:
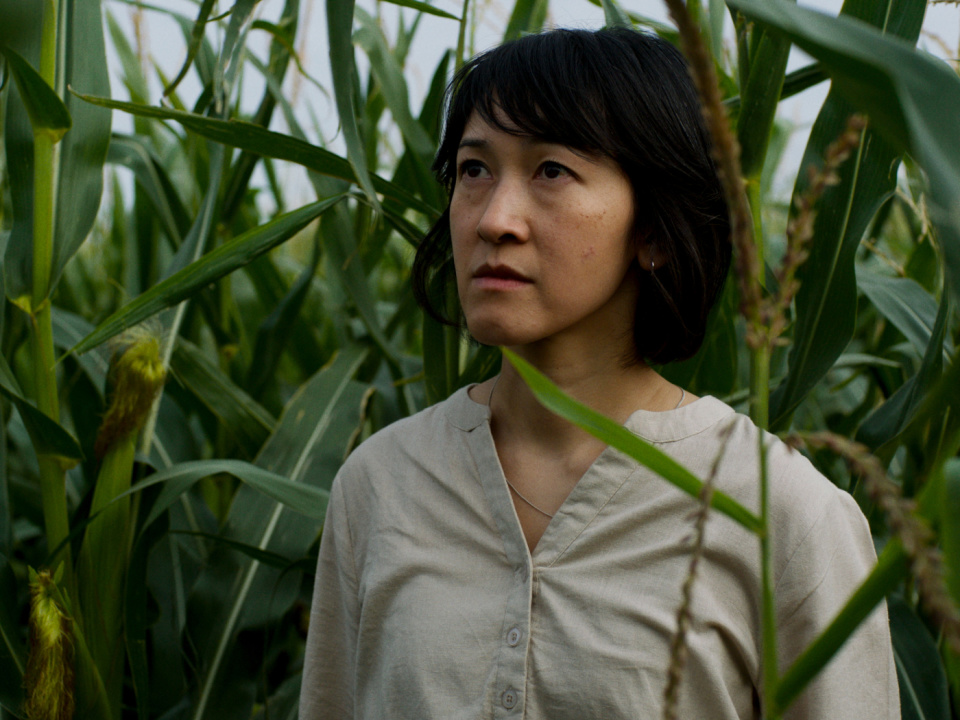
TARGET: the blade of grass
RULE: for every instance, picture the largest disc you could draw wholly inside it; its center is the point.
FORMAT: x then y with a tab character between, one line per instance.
626	442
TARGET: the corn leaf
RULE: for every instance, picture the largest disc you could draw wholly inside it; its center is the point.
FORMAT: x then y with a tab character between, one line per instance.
210	268
255	139
299	497
613	16
389	76
279	328
44	107
344	71
81	152
948	509
13	650
307	447
759	100
239	414
910	308
911	98
134	153
923	684
528	16
617	436
423	7
194	44
826	302
48	436
887	422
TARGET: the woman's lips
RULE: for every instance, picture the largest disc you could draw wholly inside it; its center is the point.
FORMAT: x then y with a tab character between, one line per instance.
499	278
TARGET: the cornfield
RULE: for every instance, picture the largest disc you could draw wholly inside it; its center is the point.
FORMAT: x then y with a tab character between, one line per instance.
190	351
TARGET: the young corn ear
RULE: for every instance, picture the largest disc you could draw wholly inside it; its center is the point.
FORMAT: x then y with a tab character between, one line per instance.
136	376
49	677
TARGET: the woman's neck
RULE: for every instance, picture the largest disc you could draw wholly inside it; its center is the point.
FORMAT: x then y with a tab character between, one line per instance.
600	380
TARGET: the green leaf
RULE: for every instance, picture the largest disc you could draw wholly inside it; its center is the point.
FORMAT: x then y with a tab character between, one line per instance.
46	110
279	328
617	436
892	566
911	98
613	16
135	603
228	64
211	267
923	684
193	46
528	16
949	510
389	76
265	557
48	436
261	141
13	650
133	152
892	418
315	428
423	7
905	303
239	414
759	100
81	152
344	70
826	301
176	480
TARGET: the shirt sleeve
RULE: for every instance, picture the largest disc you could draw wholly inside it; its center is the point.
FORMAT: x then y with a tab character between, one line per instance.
327	690
828	565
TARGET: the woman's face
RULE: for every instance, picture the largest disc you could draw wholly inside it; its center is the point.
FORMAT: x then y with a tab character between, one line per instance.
542	242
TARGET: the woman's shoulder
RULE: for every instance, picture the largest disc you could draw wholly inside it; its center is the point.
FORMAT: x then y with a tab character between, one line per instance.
809	516
419	436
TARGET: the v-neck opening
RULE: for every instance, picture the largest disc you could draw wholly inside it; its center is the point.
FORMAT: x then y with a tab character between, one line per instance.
595	488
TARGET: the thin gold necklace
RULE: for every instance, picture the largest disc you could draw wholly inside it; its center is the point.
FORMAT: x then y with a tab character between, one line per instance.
510	484
683	395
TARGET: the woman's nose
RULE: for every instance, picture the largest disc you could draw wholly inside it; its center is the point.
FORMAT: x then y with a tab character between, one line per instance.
504	218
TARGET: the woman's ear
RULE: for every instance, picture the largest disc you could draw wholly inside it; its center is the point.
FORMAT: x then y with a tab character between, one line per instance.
649	255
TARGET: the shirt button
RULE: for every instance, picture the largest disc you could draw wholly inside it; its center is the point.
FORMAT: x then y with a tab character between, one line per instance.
513	637
509	699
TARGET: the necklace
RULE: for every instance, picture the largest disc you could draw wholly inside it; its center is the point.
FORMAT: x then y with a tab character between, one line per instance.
683	395
512	486
520	495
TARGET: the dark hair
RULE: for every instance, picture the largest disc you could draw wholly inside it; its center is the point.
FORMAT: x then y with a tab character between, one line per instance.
613	92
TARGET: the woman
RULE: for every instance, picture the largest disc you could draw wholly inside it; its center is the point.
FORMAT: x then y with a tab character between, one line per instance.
485	558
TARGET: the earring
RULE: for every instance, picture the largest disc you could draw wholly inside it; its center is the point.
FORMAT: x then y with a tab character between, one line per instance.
652	265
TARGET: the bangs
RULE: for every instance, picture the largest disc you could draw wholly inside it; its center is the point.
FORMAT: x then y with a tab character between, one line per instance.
516	90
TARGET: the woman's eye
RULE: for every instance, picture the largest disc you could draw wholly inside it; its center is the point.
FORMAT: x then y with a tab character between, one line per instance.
552	170
472	169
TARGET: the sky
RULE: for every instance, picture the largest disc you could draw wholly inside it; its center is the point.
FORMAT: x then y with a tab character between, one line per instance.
164	44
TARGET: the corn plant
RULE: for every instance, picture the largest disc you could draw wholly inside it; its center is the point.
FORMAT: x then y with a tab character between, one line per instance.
184	372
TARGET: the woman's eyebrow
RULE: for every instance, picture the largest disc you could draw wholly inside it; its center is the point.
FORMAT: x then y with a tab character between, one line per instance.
472	143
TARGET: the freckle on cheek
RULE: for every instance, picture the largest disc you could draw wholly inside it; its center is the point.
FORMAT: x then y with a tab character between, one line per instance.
588	252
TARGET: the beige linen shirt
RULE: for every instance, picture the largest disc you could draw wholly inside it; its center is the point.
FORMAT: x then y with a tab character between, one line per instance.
428	604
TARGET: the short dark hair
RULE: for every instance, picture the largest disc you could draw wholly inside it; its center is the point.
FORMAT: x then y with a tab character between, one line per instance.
626	95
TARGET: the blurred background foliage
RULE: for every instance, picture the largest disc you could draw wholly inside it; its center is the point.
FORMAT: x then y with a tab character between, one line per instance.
287	332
